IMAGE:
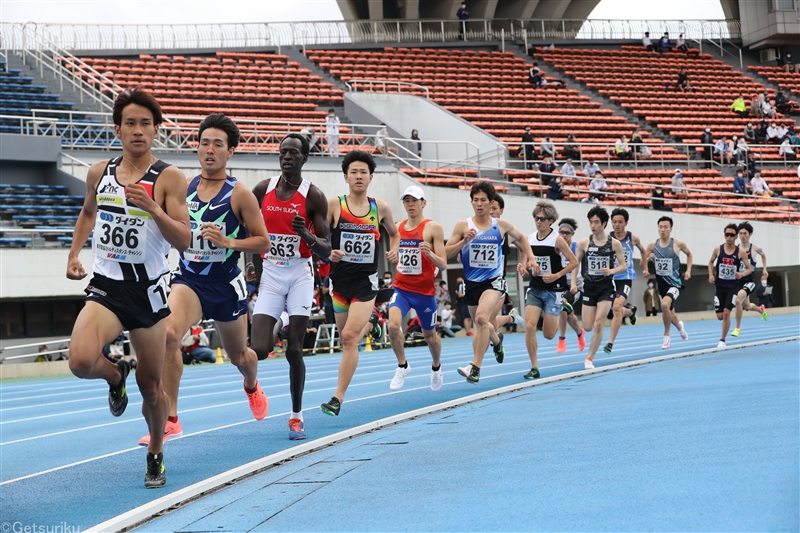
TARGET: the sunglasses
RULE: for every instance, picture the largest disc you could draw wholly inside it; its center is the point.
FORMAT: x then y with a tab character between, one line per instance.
541	219
565	232
730	235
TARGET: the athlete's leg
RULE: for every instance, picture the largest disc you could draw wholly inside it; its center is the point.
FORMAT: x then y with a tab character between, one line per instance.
532	314
667	314
616	322
350	326
233	336
150	346
263	335
396	334
598	324
434	345
725	316
185	310
549	326
95	327
483	328
298	324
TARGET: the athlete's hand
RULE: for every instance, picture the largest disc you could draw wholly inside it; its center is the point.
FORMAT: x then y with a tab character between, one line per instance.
738	275
573	288
391	256
250	272
213	234
425	248
651	257
645	272
687	276
469	235
711	279
336	255
549	278
764	274
523	270
137	194
299	225
606	271
75	269
533	266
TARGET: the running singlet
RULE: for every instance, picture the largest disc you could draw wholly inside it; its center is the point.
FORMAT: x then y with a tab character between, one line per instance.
577	271
726	268
203	258
596	259
668	264
627	251
126	243
549	261
742	267
287	249
415	270
482	257
358	237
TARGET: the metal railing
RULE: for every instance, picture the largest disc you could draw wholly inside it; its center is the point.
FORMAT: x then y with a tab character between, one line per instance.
373	85
220	36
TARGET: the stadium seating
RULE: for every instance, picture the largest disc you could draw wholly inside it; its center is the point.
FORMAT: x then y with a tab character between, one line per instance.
19	97
785	80
29	206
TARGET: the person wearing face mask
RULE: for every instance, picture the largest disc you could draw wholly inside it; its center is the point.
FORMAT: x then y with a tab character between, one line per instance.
332	132
448	329
652	303
764	295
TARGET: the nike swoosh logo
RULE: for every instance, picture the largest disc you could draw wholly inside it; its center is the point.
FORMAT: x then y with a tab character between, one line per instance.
167	432
212	207
304	306
238	312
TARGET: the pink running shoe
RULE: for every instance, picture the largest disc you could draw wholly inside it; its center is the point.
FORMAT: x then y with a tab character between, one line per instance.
259	404
171	429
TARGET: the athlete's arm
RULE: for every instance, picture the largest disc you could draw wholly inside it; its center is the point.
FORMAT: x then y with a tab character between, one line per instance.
521	242
638	244
563	248
317	211
432	244
259	191
387	221
745	261
580	251
760	251
168	207
246	208
685	249
333	219
85	223
622	266
711	265
458	239
647	252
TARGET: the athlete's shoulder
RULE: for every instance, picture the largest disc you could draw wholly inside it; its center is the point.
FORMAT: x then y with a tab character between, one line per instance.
172	173
96	170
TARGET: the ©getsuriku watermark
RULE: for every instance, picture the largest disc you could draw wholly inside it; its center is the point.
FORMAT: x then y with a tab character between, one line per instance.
21	527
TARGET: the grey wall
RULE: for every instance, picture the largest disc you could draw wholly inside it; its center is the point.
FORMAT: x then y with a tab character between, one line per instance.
15	147
762	27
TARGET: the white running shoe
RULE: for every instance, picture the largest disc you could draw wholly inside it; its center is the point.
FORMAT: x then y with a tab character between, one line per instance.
517	317
665	344
684	335
399	377
721	344
587	364
437	379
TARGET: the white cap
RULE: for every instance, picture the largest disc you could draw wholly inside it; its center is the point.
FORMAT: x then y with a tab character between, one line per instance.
414	191
677	170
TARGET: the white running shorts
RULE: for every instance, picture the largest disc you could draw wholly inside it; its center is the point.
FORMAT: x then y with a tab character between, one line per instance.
289	288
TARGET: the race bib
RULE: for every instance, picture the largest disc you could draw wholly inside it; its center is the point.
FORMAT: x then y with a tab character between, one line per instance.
596	265
121	238
409	261
663	266
204	251
240	286
157	294
727	272
284	249
544	264
627	255
483	255
358	247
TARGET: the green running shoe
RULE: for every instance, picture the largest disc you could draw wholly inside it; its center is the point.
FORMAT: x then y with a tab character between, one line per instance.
155	475
332	407
533	374
117	395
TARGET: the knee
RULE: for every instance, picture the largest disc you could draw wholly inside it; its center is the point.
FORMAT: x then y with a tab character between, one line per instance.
530	327
726	314
173	339
720	316
481	319
149	389
549	335
394	328
617	308
80	367
350	337
599	323
430	335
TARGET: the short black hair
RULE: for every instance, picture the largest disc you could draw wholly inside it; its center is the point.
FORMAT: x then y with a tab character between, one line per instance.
598	212
732	226
484	187
358	155
665	219
305	147
747	226
220	122
499	200
571	221
620	211
138	96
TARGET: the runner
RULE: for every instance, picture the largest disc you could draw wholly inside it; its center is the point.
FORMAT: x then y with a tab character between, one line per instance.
420	254
748	283
596	253
566	229
624	280
545	291
354	260
726	275
142	211
498	206
210	285
295	212
479	242
664	252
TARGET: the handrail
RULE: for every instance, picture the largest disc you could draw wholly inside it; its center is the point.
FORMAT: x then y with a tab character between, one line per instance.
400	84
216	36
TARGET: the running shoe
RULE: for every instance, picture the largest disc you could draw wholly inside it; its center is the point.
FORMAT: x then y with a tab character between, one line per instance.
633	316
155	475
259	404
437	379
763	311
721	344
297	430
588	364
665	344
117	395
608	347
684	335
171	429
399	377
517	318
736	332
499	351
471	372
562	345
582	340
470	334
567	307
332	407
532	374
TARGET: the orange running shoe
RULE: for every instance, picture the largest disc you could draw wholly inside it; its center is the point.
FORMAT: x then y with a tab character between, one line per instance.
582	340
562	346
259	404
171	429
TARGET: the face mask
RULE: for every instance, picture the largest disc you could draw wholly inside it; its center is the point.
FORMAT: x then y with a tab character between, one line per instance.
447	306
387	280
650	285
763	283
254	298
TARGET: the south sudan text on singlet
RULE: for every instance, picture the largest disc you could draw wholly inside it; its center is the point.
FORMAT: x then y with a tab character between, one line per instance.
287	249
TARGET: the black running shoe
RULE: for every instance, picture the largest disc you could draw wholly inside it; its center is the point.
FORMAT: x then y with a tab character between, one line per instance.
332	407
567	307
533	374
155	476
608	348
117	395
633	316
499	351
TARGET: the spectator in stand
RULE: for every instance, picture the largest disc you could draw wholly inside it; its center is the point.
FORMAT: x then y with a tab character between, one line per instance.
381	137
535	75
546	168
448	329
640	149
314	143
788	62
678	187
547	148
723	149
663	45
740	183
739	106
755	107
554	191
782	103
646	42
680	44
596	188
415	137
764	294
740	151
775	134
749	133
622	150
657	200
761	132
568	175
571	149
529	148
332	132
441	296
194	346
652	302
798	171
767	109
707	140
463	16
786	150
591	168
751	168
683	80
758	186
